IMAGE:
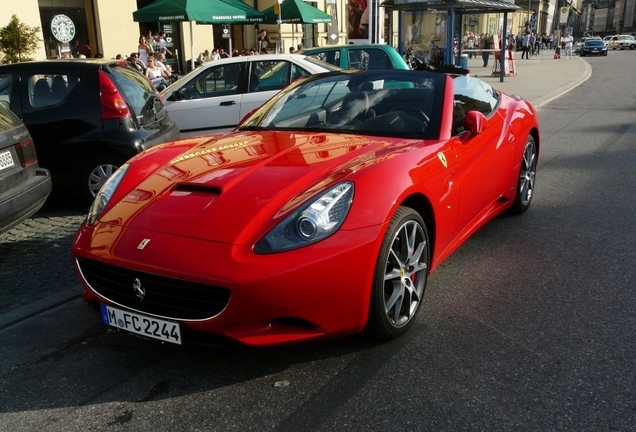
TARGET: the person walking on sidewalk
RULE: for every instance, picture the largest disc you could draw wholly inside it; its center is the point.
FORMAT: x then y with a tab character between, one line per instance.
567	40
525	41
531	41
486	45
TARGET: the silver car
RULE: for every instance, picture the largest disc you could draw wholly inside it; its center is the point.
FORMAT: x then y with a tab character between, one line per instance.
217	95
24	186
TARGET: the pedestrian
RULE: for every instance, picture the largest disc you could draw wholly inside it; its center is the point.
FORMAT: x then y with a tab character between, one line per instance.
567	41
204	57
263	40
159	77
525	46
150	41
486	45
531	43
80	48
470	44
161	43
144	51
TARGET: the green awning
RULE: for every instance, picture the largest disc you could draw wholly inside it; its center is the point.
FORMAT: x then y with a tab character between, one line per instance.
202	11
296	11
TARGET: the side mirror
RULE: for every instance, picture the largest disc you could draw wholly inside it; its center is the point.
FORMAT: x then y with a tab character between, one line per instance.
475	122
176	95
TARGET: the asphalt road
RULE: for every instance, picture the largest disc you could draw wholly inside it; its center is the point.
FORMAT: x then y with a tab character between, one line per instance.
529	326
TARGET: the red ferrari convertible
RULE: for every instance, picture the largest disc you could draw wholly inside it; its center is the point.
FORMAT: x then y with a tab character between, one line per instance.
321	215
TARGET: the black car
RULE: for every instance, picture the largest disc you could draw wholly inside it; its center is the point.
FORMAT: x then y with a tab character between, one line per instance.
86	116
593	47
24	186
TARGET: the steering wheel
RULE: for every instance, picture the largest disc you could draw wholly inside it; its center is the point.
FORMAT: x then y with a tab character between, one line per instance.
412	111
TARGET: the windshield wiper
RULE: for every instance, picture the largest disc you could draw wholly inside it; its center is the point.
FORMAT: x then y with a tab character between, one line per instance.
253	128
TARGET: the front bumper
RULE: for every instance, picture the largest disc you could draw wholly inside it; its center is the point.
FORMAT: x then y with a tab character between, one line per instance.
315	292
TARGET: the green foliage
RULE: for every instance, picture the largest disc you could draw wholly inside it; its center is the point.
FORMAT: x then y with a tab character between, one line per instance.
18	41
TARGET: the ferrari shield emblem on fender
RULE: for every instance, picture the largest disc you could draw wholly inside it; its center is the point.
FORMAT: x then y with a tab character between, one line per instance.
143	244
442	159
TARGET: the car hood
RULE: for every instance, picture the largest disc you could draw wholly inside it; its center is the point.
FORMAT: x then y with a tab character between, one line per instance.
235	187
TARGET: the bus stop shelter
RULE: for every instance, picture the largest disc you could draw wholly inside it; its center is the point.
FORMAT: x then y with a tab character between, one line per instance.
428	27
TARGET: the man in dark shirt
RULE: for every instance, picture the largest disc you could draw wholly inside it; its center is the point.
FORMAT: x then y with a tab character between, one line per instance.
81	48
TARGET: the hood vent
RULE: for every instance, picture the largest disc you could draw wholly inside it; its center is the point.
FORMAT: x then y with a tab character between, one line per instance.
197	188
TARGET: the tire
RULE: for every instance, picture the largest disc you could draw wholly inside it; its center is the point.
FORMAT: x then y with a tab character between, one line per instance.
632	47
95	172
526	178
400	275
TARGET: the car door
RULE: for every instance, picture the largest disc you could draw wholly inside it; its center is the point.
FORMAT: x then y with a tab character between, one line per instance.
484	160
211	100
266	78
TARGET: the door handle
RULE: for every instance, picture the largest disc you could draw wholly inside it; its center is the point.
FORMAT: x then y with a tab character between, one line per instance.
227	103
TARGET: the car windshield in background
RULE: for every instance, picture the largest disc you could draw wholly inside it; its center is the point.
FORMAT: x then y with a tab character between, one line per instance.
323	64
386	103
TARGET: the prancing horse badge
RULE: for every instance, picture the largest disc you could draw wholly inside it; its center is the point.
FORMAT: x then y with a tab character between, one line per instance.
143	244
442	158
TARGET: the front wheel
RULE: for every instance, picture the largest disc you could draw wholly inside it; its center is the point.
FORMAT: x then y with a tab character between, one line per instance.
527	173
400	275
94	174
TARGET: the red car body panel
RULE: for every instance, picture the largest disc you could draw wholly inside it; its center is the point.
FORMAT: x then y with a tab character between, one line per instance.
205	202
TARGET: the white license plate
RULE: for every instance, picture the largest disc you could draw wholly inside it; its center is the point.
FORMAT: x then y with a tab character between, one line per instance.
6	160
166	331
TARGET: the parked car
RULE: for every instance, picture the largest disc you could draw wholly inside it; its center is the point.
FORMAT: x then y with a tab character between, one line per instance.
580	42
627	44
86	117
323	214
217	95
615	40
24	186
593	47
365	56
607	39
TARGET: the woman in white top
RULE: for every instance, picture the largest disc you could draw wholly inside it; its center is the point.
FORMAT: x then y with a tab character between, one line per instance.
158	76
143	50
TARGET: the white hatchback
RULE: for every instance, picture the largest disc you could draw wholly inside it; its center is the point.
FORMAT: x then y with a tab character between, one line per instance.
616	40
218	94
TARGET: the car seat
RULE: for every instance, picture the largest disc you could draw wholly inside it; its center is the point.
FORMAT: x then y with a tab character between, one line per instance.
58	88
354	109
41	93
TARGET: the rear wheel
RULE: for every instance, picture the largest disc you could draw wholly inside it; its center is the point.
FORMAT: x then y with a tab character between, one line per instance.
95	172
527	173
400	275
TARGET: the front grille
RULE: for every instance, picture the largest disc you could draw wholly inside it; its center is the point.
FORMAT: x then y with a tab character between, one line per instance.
163	296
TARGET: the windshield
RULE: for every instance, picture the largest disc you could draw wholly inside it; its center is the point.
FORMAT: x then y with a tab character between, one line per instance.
386	103
322	64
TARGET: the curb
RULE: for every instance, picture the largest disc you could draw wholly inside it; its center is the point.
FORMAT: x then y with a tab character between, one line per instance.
22	313
585	75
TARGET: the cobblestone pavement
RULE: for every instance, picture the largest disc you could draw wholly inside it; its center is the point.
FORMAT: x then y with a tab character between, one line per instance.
35	256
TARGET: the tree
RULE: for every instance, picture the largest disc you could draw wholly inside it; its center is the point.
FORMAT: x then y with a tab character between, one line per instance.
18	41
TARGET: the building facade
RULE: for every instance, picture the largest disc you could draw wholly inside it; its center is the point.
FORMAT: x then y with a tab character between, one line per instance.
107	27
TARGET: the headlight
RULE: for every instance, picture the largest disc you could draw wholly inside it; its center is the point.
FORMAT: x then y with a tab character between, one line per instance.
314	221
105	194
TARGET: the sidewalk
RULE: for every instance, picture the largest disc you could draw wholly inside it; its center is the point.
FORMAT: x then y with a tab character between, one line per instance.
539	79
